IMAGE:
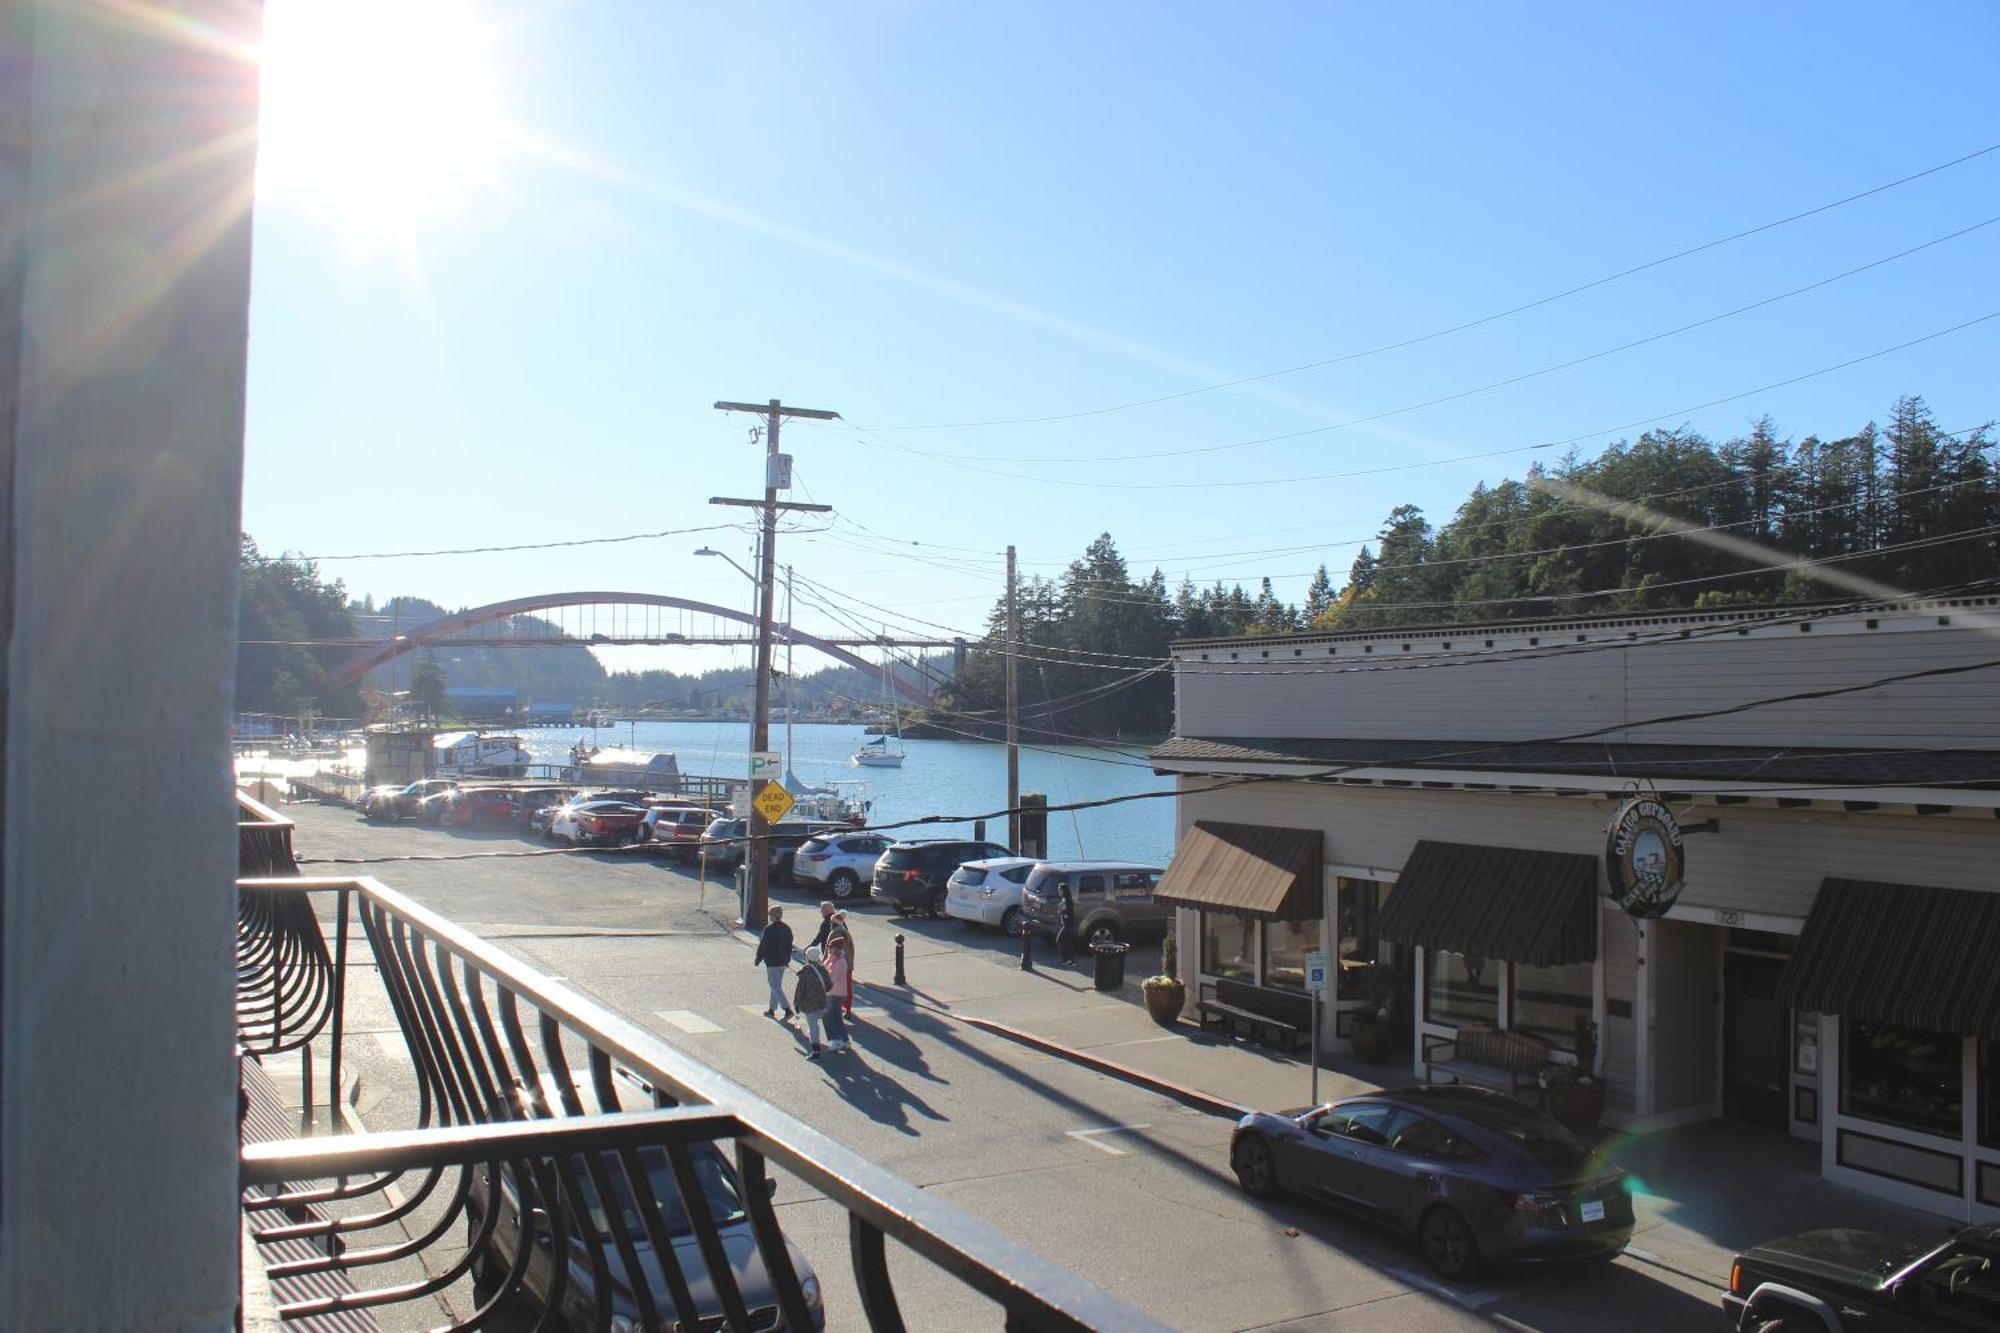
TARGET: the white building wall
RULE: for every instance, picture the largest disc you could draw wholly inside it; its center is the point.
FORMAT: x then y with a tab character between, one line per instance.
124	293
1331	687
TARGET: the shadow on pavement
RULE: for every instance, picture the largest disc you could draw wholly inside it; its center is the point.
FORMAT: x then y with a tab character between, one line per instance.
873	1093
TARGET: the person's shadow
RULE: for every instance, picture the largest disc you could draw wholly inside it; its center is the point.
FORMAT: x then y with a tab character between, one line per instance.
873	1093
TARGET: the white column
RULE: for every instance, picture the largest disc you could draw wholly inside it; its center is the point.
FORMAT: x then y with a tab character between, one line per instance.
124	289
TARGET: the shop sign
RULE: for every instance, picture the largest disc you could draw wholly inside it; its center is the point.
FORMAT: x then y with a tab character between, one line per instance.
1643	858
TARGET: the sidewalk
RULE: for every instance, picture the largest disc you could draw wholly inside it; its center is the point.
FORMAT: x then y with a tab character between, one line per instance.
1702	1192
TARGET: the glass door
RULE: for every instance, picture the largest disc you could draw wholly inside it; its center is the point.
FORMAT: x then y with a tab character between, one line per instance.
1755	1063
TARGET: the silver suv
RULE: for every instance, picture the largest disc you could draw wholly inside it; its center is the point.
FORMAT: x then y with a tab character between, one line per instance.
1110	900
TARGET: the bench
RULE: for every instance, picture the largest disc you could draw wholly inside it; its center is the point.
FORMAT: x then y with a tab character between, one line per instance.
1490	1058
1263	1011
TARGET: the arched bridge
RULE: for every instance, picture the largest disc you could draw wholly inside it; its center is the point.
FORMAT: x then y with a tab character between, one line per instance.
618	606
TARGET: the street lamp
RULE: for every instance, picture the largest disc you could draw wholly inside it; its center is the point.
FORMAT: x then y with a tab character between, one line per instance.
710	550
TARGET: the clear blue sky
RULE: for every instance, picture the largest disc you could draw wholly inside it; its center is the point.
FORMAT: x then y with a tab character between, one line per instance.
932	213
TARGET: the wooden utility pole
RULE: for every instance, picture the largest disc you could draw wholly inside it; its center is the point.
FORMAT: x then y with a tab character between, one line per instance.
1013	714
777	476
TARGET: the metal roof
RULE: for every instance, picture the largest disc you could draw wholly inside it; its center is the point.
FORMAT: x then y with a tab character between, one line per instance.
1246	869
1495	902
1899	953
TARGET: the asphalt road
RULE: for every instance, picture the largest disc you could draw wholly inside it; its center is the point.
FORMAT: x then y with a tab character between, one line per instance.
1126	1187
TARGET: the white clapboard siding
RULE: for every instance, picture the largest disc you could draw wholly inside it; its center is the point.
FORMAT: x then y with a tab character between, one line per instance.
1619	1039
1307	692
1763	861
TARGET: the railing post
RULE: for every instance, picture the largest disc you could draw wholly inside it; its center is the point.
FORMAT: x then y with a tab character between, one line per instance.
1027	949
871	1276
339	1011
901	980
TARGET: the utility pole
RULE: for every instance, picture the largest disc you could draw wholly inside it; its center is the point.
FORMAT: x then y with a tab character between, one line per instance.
1013	714
777	476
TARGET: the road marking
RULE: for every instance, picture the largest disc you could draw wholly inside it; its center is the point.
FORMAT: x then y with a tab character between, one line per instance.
687	1020
1090	1136
1477	1299
1142	1041
1643	1256
392	1045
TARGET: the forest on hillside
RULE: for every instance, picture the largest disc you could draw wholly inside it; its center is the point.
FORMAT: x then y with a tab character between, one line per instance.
1909	505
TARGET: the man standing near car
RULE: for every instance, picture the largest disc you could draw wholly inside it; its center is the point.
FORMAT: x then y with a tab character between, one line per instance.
774	953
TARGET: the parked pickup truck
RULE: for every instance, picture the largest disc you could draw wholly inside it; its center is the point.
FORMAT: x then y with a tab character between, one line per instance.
1842	1281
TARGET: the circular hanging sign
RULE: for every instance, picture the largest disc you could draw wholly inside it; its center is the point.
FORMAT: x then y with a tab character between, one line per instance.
1643	857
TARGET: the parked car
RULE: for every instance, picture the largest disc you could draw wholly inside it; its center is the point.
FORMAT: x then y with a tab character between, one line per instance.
722	1198
911	876
1472	1176
989	892
535	799
725	843
1838	1281
430	810
840	863
480	805
1110	900
400	802
596	823
675	830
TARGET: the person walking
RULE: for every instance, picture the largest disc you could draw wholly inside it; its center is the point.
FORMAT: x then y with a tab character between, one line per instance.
1066	928
774	954
840	963
827	912
809	997
849	957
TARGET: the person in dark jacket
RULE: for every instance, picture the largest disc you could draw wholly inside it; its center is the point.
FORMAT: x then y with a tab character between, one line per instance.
1066	927
827	911
810	998
774	954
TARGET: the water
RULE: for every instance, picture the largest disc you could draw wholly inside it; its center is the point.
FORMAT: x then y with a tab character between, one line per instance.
937	778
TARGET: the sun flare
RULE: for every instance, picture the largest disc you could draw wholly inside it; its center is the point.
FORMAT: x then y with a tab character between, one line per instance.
378	111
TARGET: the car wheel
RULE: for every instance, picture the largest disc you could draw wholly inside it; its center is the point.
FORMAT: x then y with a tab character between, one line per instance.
1010	921
937	902
1256	1170
1104	933
1448	1244
842	884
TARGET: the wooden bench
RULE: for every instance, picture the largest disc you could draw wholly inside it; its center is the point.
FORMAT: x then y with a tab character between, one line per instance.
1509	1061
1263	1011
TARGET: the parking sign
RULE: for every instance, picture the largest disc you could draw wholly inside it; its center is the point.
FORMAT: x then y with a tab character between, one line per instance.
1316	971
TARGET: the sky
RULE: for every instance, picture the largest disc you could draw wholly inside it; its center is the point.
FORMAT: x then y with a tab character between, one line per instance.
508	255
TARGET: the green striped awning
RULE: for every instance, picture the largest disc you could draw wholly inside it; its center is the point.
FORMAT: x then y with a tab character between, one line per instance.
1907	954
1529	907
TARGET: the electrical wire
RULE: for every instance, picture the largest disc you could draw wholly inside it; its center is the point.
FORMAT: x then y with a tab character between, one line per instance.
523	546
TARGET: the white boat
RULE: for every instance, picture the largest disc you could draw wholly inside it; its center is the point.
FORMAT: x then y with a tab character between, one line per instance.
877	754
598	717
476	754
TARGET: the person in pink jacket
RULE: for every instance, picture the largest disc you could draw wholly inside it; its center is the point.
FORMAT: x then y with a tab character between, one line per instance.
840	963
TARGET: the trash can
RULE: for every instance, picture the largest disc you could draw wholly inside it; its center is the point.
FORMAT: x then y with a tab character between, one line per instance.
1110	963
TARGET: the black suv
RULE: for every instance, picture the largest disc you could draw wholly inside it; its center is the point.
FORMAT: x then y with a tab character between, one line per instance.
1833	1281
912	875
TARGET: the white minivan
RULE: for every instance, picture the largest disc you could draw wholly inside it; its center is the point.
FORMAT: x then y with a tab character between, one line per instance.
989	892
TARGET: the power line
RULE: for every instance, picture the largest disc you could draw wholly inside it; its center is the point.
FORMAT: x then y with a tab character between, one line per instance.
526	546
1468	324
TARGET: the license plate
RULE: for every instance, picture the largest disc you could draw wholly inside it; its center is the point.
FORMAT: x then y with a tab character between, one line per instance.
1593	1210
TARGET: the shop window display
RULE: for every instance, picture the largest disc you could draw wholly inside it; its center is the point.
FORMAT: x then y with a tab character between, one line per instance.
1548	1000
1228	946
1286	944
1360	900
1459	990
1902	1076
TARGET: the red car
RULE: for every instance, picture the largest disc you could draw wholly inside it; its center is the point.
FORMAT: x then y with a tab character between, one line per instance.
596	823
675	830
481	805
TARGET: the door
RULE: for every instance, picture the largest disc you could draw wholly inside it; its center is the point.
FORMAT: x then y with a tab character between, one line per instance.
1343	1147
1754	1061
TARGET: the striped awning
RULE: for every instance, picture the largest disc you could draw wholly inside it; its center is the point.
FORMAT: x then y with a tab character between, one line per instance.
1247	870
1495	902
1900	953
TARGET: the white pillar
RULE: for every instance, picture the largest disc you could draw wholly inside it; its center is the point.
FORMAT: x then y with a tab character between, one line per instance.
124	289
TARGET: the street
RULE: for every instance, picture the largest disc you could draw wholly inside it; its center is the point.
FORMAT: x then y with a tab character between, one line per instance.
1125	1186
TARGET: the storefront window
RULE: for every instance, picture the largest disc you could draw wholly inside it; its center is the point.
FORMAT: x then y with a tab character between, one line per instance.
1903	1076
1360	900
1459	990
1228	946
1547	1001
1286	944
1989	1093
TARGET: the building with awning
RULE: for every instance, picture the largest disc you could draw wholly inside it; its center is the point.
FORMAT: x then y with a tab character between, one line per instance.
1750	852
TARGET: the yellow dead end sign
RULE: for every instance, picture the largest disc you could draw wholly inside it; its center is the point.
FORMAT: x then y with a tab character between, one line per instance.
772	802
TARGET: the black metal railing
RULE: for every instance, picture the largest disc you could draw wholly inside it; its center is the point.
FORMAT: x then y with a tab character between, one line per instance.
605	1216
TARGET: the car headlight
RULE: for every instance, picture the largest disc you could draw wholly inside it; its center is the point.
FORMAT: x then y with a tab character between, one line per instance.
810	1286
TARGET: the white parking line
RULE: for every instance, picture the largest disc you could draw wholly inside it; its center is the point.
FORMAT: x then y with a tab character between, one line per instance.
687	1020
1465	1298
1090	1136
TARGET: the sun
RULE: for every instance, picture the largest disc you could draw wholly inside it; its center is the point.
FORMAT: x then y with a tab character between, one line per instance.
377	112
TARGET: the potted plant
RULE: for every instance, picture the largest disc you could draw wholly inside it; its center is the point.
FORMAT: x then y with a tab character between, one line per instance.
1166	993
1574	1093
1374	1032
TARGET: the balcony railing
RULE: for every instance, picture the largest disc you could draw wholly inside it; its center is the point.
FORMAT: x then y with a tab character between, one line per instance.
536	1106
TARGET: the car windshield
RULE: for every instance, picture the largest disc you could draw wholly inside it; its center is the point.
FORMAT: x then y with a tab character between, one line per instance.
718	1187
970	875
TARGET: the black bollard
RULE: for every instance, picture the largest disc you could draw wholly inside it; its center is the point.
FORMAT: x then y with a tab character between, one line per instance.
1027	950
901	980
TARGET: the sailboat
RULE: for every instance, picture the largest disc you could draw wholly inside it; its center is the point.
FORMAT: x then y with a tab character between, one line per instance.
876	753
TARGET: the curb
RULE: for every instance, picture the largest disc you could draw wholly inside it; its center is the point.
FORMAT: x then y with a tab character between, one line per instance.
1192	1097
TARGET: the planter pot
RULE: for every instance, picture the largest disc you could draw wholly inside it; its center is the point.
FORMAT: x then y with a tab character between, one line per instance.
1374	1043
1164	1001
1579	1106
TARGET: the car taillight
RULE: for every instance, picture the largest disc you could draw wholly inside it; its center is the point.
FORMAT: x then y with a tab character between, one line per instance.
1736	1279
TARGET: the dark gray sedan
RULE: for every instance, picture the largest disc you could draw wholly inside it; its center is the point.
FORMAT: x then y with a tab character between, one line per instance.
1470	1175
